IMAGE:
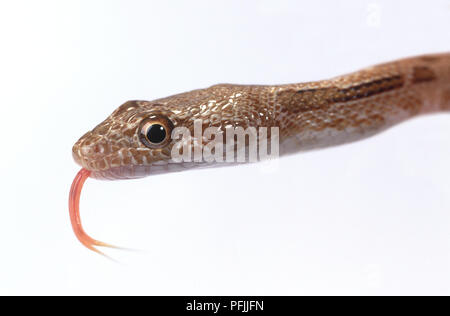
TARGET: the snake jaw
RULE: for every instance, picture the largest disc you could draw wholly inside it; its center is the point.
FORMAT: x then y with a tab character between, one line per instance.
74	211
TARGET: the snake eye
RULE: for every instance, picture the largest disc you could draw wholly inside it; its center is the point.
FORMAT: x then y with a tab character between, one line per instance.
155	131
156	134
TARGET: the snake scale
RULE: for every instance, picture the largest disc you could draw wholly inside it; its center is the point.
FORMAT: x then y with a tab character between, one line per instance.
135	140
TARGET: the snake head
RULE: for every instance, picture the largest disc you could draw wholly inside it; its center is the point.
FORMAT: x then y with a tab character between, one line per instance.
134	141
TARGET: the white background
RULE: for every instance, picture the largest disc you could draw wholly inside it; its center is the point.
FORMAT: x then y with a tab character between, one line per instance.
372	217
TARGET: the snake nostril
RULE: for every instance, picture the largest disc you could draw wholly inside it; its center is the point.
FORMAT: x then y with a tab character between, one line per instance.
86	150
85	154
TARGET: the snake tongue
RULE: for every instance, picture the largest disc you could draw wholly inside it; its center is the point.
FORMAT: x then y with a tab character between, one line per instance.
74	211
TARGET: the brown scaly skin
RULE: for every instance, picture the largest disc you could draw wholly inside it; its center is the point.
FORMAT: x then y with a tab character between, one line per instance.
309	115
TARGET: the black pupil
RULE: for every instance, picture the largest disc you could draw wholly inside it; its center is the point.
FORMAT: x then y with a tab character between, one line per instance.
156	133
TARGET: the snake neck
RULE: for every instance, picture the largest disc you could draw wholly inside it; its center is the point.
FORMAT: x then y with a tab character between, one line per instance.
358	105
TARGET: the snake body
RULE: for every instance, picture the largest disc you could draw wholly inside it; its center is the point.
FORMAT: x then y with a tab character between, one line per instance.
308	115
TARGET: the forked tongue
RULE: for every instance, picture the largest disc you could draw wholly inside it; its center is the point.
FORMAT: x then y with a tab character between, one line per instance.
74	211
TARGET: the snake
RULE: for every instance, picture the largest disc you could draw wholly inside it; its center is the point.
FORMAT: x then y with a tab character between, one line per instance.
137	140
